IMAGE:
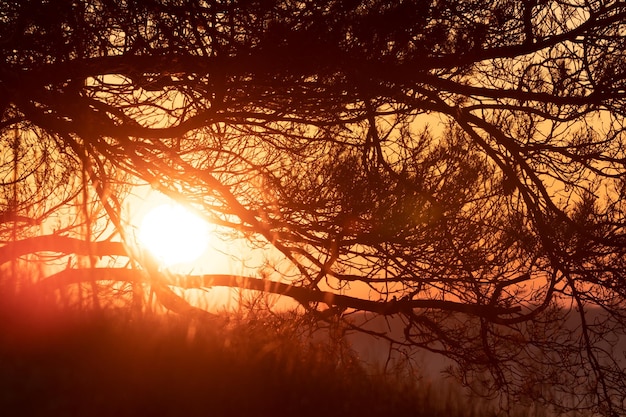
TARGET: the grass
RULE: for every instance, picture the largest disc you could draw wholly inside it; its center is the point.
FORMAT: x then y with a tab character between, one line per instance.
62	362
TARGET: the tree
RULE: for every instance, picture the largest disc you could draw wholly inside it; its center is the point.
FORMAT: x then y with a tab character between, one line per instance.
456	164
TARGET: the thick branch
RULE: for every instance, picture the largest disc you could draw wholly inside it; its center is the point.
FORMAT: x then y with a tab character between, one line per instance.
300	294
60	244
63	244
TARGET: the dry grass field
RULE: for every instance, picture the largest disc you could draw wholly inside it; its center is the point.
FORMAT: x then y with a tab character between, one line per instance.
60	362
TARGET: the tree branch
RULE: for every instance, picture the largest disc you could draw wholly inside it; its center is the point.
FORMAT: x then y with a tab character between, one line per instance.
60	244
300	294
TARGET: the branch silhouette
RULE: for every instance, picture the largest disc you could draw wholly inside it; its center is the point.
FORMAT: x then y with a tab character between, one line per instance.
458	159
60	244
300	294
161	280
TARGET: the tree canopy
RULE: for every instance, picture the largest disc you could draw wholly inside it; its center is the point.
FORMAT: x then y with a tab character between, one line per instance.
457	164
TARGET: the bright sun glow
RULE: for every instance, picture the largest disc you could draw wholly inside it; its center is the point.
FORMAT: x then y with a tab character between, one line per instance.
173	234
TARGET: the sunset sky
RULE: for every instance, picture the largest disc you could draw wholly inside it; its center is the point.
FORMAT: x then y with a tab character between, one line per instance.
456	167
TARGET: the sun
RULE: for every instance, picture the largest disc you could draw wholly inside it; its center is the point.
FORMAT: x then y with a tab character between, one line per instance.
173	234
